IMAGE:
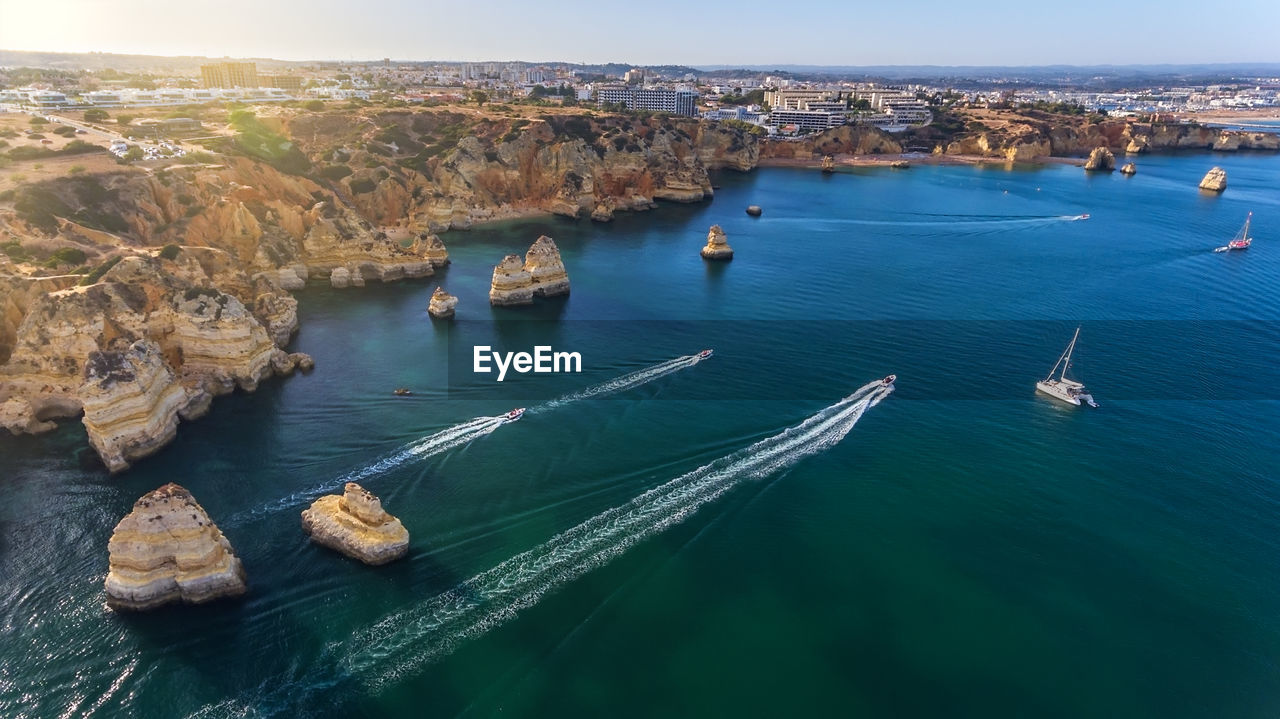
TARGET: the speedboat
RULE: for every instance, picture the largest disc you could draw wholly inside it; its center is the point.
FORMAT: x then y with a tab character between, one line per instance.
1084	216
704	354
1061	387
402	392
889	380
514	414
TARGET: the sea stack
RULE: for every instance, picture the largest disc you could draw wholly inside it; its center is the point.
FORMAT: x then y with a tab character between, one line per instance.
168	550
542	274
717	247
356	525
546	269
511	284
442	304
1100	160
1129	169
1215	180
754	210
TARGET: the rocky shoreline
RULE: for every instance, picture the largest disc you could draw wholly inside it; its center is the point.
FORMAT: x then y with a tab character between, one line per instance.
183	292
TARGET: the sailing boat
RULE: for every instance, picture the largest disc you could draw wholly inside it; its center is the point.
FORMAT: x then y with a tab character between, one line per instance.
1067	390
1241	241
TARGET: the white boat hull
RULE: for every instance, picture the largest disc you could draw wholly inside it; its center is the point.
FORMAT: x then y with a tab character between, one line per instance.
1057	391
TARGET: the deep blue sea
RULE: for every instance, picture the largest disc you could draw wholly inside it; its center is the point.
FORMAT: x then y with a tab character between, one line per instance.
748	534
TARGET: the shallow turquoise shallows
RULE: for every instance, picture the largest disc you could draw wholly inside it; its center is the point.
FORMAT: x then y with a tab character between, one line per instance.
651	540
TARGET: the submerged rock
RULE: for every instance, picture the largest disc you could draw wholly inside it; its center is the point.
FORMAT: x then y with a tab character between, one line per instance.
1129	168
717	247
356	525
442	304
1100	160
168	550
1215	180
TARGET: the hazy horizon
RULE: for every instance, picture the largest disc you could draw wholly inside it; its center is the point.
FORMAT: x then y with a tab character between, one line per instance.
1000	33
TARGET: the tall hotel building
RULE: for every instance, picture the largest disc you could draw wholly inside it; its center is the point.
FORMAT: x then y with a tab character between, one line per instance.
676	102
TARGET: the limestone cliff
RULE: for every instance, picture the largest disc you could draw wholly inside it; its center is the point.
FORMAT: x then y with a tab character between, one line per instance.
1028	135
356	525
168	550
151	341
131	403
717	247
843	140
433	170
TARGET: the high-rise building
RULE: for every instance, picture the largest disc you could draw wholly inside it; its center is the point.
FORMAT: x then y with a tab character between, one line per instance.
284	82
229	74
657	99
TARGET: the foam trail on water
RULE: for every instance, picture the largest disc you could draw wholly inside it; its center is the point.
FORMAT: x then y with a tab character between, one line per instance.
625	382
460	434
402	642
431	445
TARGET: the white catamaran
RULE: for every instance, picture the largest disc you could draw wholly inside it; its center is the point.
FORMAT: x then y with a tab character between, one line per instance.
1241	241
1067	390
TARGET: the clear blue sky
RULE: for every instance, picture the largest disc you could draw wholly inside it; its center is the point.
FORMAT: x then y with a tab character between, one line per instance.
819	32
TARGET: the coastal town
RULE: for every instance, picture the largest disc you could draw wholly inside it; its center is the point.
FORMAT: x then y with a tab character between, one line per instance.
778	103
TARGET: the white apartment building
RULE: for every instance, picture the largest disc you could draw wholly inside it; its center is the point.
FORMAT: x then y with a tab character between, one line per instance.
656	99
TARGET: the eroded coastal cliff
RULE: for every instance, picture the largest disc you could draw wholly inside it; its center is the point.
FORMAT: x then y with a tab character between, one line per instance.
131	296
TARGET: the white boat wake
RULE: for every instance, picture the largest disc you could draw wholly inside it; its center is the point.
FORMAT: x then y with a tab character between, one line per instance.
625	382
401	643
429	446
458	435
406	640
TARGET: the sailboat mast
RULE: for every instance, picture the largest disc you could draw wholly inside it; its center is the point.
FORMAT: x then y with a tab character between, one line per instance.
1067	356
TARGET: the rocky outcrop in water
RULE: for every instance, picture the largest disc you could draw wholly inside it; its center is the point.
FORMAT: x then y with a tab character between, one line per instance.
1100	160
542	274
717	247
546	270
150	342
132	401
356	525
1215	180
168	550
1129	169
511	284
442	304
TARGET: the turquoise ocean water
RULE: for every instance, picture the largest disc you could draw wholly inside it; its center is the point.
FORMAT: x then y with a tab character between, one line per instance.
652	538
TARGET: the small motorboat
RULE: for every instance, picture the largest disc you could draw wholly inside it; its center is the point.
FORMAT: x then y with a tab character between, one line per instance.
1241	241
1084	216
889	380
402	392
514	414
704	354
